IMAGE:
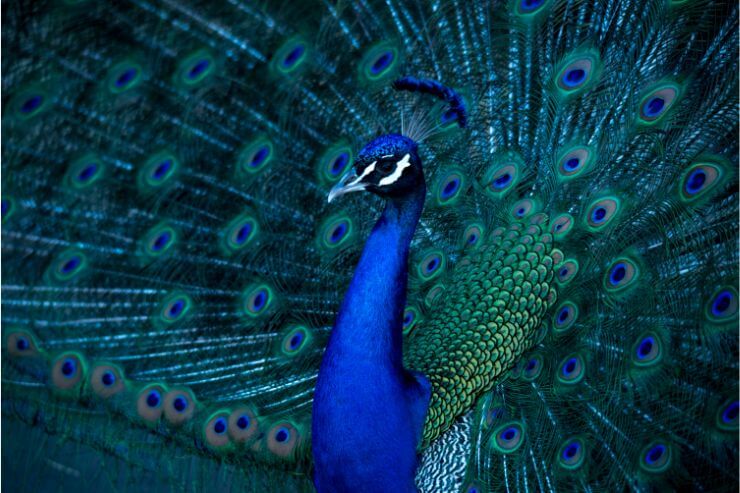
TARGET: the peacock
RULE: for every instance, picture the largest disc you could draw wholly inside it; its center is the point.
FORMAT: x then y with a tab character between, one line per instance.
533	285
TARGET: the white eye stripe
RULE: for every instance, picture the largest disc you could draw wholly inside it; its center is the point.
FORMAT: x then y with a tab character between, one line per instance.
365	172
400	166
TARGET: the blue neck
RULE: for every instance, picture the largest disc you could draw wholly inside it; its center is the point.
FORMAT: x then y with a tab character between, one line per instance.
369	324
368	411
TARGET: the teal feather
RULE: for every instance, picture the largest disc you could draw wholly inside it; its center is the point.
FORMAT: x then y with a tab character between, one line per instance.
165	167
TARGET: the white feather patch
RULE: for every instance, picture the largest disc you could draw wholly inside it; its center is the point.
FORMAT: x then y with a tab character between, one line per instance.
400	166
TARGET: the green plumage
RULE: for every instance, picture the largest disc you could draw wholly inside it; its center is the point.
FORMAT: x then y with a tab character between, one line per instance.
490	315
171	269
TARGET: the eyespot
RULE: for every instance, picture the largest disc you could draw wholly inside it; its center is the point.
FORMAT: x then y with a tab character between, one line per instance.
240	232
577	73
530	7
255	156
173	308
532	368
566	271
290	57
84	172
334	163
500	180
449	188
620	275
336	232
158	170
571	454
722	306
508	438
523	208
8	207
656	103
149	404
572	369
699	179
67	371
243	424
561	226
647	350
565	317
179	406
29	104
434	294
431	265
123	77
107	380
601	212
410	319
574	161
379	62
283	438
295	340
69	265
656	457
257	300
21	343
473	488
195	68
158	240
216	430
472	236
727	415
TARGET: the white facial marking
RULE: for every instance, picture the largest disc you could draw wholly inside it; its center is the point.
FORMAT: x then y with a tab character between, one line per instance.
400	166
365	172
387	155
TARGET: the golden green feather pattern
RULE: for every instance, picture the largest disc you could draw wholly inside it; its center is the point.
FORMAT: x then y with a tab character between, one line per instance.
492	312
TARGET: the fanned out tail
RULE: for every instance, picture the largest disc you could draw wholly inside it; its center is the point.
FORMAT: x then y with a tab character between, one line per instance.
171	268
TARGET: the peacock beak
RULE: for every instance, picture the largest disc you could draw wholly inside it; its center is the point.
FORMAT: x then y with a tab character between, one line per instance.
350	182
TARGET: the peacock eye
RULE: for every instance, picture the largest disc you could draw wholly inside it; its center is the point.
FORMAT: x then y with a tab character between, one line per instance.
386	167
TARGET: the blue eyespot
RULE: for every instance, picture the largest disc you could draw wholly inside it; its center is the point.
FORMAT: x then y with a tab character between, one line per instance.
571	450
293	56
87	172
570	367
180	404
721	303
572	164
730	413
432	265
161	170
696	181
108	378
69	367
598	215
199	68
296	340
509	437
22	344
176	308
32	103
653	107
382	62
645	347
259	157
126	77
449	116
71	264
338	232
161	241
530	5
153	399
339	164
219	426
282	435
242	422
501	181
243	233
654	454
574	77
617	273
450	188
259	300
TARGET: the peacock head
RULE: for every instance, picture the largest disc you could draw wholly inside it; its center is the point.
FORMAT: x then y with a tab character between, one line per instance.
388	166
